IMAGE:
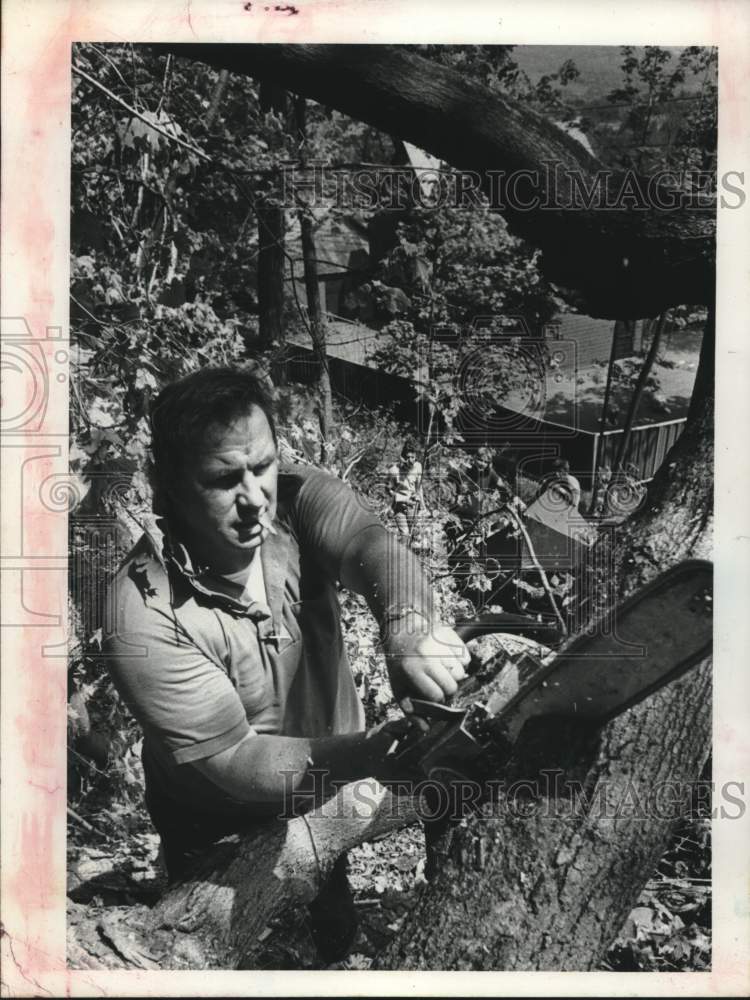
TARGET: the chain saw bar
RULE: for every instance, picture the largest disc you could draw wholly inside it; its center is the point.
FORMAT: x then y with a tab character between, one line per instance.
653	638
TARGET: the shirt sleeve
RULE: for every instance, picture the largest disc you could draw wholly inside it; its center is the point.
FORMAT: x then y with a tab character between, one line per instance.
329	517
335	525
182	699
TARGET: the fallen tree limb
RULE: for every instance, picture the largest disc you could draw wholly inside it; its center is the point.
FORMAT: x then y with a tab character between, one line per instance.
215	918
639	250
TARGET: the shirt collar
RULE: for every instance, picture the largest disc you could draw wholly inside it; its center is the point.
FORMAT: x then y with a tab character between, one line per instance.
174	555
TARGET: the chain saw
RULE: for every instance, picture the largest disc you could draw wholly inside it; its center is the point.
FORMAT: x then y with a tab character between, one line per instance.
651	639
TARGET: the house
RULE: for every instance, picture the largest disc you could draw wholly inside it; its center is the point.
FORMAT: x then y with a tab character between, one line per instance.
342	254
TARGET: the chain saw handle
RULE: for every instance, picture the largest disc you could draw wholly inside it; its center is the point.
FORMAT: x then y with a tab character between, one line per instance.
548	633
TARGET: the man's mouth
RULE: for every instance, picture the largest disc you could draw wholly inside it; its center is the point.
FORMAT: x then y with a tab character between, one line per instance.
250	529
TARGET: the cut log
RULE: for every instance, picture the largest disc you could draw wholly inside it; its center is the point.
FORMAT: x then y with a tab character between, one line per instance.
216	917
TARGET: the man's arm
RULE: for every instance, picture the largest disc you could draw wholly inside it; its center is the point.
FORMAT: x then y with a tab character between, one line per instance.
425	658
269	769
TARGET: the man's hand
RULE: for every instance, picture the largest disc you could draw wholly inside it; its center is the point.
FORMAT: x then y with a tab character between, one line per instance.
424	662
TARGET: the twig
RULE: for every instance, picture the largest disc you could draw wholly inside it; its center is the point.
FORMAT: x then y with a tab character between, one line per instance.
538	567
104	55
83	308
357	457
84	822
138	114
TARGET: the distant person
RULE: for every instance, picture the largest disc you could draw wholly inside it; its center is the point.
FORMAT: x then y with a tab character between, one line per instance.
484	496
560	485
481	479
482	471
405	487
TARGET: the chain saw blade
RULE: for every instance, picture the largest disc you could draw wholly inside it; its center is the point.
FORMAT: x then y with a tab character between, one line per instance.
651	639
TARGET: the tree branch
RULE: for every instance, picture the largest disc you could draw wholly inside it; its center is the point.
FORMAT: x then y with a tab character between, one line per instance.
621	262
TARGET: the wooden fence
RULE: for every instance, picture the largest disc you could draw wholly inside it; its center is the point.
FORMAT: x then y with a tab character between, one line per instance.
647	448
537	441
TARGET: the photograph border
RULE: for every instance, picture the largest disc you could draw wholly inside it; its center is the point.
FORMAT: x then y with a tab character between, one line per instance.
36	78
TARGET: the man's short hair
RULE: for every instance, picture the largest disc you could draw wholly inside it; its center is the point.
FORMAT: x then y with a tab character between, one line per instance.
184	410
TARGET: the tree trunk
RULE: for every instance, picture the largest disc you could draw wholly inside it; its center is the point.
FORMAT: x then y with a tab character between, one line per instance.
315	315
217	96
596	481
545	882
271	260
214	919
640	385
622	244
271	256
551	889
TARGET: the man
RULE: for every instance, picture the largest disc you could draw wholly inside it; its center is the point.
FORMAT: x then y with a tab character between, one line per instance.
228	645
405	486
561	486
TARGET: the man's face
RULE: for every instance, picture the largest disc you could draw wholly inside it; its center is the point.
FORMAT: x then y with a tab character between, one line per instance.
228	488
410	458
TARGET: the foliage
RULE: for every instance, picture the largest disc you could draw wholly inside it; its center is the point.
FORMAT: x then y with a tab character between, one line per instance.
493	66
472	293
656	123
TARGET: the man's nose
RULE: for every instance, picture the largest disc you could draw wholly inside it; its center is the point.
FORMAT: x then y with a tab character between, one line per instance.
250	495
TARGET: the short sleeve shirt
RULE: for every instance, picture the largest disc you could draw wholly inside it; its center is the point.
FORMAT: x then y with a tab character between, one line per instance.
405	483
200	669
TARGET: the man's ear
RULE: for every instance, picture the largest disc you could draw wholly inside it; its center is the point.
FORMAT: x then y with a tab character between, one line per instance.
164	498
159	503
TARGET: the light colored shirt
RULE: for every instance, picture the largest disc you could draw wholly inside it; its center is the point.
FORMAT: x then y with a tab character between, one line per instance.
405	483
201	663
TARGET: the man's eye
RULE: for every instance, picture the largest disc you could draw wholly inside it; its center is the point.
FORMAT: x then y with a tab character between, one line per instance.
225	482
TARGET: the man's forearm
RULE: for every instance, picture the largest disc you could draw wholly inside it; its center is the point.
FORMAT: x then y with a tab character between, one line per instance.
268	769
388	575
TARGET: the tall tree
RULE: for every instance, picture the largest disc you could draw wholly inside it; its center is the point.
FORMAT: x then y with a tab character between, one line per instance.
315	315
271	233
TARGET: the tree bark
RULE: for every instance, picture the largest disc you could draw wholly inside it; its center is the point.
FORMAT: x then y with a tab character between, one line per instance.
632	252
315	314
271	257
640	385
213	920
545	882
549	890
